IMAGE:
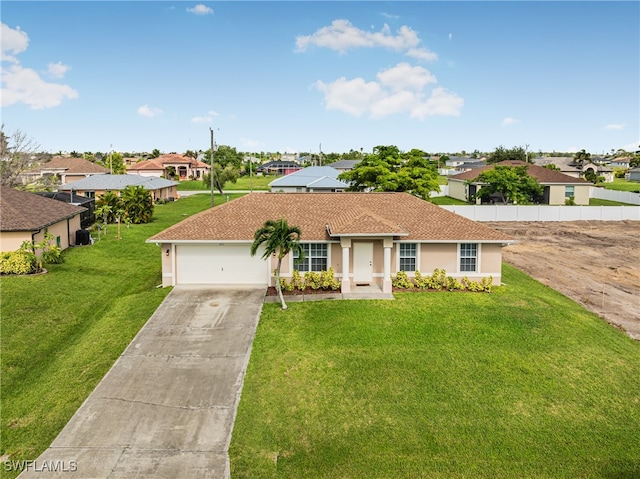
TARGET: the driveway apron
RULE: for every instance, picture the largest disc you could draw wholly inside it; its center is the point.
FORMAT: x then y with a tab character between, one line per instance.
167	406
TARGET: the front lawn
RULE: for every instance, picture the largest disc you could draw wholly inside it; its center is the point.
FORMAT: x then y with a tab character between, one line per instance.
62	331
520	383
601	202
247	183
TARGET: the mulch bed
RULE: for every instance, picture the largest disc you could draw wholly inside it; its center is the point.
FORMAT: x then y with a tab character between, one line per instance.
271	291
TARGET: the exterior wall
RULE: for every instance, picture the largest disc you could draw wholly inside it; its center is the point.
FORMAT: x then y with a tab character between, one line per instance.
167	264
64	229
438	255
457	190
490	261
11	240
147	173
556	194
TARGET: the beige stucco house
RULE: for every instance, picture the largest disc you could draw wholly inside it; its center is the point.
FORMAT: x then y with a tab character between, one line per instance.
365	237
184	167
67	170
558	187
96	186
27	217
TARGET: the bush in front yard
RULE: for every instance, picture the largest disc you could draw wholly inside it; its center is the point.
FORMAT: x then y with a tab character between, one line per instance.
18	262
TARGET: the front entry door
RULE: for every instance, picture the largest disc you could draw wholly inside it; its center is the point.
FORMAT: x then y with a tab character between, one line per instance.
362	263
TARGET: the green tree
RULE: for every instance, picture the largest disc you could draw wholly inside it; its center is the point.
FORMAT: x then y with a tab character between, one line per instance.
278	238
112	202
581	158
517	153
510	184
137	204
551	166
155	153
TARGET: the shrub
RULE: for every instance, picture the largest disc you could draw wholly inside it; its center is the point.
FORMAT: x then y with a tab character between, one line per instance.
297	281
328	280
401	280
453	284
438	279
487	284
312	280
420	281
18	262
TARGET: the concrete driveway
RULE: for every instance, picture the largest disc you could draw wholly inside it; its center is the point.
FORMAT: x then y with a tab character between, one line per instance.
167	406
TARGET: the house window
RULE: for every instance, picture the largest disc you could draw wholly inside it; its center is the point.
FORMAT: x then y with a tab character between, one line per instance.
407	256
569	192
315	258
468	257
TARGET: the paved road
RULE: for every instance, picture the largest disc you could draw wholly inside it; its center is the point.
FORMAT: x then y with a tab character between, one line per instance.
167	406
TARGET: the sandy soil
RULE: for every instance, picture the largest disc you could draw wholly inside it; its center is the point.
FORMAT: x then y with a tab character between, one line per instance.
595	263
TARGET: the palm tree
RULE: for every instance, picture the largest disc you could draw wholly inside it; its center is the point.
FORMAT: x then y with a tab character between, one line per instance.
278	238
138	204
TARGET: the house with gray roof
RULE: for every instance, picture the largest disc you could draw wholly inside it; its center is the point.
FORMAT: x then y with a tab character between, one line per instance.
96	186
344	165
316	179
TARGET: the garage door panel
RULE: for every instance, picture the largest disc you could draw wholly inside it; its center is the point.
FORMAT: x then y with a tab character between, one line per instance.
219	264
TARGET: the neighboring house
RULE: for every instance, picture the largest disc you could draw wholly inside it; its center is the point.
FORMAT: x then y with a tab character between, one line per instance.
634	174
620	163
599	170
179	166
558	187
96	186
67	170
344	165
87	217
365	237
568	166
278	167
310	179
27	217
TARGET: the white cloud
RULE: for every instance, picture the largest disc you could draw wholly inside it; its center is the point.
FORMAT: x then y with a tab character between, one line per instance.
390	16
398	89
251	144
341	36
57	70
200	9
208	118
614	126
509	121
13	42
24	85
150	112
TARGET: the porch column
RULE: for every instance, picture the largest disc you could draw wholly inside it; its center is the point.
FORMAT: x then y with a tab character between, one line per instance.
386	280
345	285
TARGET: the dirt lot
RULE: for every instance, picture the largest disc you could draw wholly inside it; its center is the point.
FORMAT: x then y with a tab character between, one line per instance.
596	263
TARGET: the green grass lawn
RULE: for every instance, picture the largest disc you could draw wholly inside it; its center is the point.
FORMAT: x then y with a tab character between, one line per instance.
62	331
601	202
520	383
446	200
622	185
243	183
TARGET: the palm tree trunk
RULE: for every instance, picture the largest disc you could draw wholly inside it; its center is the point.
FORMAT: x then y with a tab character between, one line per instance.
278	288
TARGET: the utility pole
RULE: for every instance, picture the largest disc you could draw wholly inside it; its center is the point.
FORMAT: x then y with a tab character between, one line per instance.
212	170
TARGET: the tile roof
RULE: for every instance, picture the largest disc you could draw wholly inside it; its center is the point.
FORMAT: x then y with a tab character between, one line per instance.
318	214
70	166
118	182
311	176
23	211
146	165
544	176
173	158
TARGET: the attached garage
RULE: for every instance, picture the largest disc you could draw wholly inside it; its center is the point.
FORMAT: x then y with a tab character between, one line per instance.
219	264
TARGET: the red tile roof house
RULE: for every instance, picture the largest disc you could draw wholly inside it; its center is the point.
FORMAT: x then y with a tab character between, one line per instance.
67	169
27	217
365	237
186	168
558	187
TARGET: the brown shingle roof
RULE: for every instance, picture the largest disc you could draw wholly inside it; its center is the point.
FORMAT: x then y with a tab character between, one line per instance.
71	166
544	176
22	211
343	213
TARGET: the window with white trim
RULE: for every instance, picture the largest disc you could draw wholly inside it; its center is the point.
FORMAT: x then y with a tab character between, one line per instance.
315	258
407	257
468	257
569	192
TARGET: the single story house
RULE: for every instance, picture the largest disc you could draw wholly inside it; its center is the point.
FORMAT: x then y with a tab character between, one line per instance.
87	217
310	179
278	167
66	169
634	174
620	163
365	237
96	186
27	217
344	165
558	187
568	166
171	165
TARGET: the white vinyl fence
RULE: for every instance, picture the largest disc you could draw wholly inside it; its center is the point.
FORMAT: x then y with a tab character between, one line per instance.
613	195
546	213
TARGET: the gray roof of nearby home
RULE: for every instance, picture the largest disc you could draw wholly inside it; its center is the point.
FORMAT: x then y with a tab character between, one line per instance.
345	164
118	182
23	211
311	177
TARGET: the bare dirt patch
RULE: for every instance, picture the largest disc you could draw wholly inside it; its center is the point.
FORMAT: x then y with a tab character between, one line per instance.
595	263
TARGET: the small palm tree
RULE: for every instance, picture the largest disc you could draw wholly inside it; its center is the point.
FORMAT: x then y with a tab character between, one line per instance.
278	238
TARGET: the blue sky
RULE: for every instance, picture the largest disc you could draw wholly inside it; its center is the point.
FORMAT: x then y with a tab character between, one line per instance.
291	76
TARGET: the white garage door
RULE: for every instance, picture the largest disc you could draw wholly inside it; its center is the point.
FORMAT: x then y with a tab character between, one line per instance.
219	264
